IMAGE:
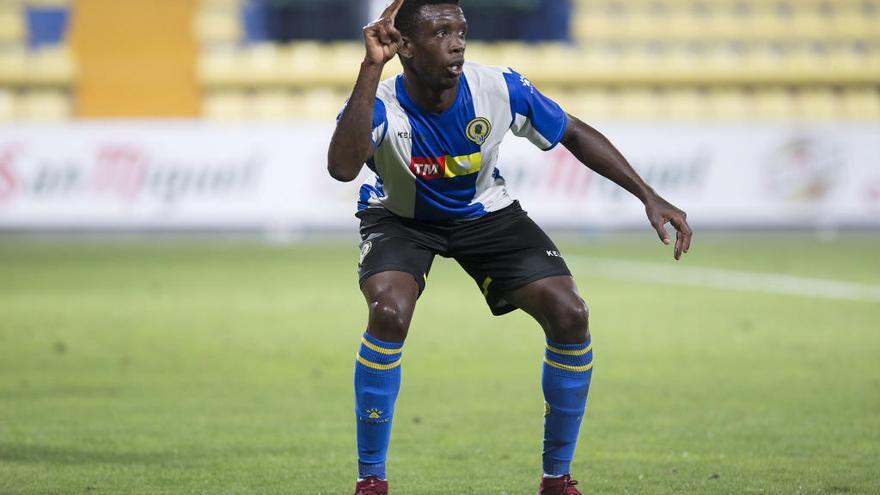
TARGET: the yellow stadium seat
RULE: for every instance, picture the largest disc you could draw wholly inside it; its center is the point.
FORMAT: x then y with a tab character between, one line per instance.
12	28
48	3
219	4
726	26
683	104
847	59
590	105
855	27
861	104
765	62
218	26
680	24
510	54
322	104
273	104
480	52
725	61
774	104
765	23
597	60
639	104
806	62
220	67
225	105
301	62
597	25
44	106
13	65
729	104
682	60
818	104
52	65
342	60
7	105
263	64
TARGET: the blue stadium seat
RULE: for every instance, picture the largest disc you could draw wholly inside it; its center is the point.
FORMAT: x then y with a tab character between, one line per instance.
47	24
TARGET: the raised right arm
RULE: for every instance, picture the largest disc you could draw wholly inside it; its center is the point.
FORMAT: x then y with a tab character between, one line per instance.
351	144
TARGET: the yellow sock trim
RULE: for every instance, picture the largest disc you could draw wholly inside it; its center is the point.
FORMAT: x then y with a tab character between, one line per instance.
576	352
378	349
377	366
576	369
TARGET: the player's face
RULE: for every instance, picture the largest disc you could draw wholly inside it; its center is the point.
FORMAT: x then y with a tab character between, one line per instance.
437	45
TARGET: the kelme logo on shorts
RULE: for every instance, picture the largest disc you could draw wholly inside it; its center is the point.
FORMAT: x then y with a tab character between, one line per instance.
478	130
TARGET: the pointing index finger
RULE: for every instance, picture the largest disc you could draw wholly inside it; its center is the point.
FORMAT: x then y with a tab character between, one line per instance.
392	9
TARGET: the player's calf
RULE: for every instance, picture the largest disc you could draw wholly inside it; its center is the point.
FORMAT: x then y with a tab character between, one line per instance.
565	381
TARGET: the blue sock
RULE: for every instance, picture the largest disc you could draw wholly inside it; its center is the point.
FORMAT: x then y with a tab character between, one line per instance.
565	379
376	383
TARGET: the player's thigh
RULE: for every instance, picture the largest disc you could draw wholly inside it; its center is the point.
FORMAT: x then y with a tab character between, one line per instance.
390	244
557	305
393	270
505	252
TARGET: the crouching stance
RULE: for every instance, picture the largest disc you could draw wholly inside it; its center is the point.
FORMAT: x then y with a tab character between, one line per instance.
431	136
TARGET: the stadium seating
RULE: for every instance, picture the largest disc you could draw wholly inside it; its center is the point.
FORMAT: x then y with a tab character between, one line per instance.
37	69
630	60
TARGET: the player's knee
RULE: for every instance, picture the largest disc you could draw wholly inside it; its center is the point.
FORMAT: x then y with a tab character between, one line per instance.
569	322
389	320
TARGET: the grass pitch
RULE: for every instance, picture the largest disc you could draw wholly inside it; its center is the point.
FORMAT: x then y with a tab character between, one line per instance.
225	368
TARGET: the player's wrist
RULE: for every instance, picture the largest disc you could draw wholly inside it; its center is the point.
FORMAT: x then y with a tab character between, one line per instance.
369	65
648	195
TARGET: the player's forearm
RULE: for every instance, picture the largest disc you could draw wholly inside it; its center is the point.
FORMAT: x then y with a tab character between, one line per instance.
351	144
596	152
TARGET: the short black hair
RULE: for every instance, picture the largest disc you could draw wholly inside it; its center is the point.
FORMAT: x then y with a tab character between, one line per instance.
406	16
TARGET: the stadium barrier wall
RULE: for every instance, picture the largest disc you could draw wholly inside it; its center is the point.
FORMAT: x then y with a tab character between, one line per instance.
135	175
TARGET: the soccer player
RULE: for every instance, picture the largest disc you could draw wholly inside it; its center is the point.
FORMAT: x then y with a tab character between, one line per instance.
432	135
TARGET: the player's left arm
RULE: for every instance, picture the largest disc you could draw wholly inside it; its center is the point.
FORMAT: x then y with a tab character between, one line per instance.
595	151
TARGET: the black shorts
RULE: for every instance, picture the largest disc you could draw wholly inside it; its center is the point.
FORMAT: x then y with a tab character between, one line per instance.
501	251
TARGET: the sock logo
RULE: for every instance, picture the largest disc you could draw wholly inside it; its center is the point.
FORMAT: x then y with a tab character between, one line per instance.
374	413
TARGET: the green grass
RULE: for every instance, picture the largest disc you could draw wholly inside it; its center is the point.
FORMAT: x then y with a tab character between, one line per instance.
225	368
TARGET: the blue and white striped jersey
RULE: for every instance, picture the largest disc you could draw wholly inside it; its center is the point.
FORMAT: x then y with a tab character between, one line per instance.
441	167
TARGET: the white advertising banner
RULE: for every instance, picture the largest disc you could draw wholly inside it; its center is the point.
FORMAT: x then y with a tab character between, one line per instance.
248	176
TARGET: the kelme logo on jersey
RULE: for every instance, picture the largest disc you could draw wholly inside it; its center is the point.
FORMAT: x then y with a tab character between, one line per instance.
478	130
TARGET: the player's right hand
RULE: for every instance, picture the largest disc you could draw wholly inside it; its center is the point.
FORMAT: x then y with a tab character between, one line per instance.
382	40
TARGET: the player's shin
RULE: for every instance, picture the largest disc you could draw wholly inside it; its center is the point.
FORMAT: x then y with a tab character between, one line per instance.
565	380
376	384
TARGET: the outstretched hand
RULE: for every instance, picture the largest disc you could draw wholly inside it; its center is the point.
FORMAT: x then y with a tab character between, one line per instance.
660	212
381	38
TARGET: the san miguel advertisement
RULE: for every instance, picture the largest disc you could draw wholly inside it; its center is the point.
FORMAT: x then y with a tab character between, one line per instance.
190	175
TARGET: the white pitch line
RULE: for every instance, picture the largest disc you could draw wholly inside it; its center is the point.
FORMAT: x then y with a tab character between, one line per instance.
717	278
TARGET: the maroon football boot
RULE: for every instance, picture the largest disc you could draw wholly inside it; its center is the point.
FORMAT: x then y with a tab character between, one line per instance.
373	486
558	486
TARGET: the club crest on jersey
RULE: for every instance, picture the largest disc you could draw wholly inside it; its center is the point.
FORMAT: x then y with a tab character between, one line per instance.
366	246
478	130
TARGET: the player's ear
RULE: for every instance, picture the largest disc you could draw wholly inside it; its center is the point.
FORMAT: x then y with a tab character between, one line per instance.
406	48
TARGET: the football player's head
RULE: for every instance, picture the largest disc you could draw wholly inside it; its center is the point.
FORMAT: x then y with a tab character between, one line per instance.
434	35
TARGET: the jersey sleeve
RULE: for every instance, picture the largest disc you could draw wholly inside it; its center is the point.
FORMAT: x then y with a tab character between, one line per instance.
535	117
379	124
